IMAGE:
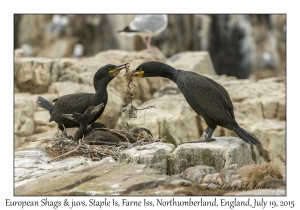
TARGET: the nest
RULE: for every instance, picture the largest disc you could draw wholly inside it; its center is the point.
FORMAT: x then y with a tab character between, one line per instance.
62	148
129	95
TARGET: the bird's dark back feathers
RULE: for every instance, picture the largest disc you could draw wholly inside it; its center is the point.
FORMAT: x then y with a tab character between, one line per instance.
206	97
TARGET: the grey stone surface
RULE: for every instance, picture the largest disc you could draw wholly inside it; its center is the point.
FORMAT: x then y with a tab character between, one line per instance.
260	192
79	176
142	174
199	62
197	173
154	155
220	153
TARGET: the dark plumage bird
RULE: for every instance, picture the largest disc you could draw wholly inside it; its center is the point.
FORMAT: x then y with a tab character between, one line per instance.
79	102
97	132
206	97
83	120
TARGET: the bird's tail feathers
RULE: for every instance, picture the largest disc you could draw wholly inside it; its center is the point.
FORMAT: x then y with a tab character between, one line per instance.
43	103
245	136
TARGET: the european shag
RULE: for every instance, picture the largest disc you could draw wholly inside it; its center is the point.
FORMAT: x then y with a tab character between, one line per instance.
79	102
83	120
206	97
97	132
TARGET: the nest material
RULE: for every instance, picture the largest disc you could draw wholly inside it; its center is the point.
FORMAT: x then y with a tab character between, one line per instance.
62	148
128	95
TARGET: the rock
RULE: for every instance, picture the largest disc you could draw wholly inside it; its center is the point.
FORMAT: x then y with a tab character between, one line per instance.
19	53
229	173
260	192
199	62
30	164
81	176
25	117
154	155
271	134
24	109
26	103
218	154
24	126
86	78
179	187
41	129
85	178
197	173
283	172
250	108
69	87
33	75
138	57
42	118
31	141
173	118
212	178
117	179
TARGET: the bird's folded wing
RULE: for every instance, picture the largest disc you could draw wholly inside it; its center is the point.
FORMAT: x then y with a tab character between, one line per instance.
208	96
65	104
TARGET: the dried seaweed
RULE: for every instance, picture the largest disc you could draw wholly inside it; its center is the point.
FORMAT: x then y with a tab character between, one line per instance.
128	95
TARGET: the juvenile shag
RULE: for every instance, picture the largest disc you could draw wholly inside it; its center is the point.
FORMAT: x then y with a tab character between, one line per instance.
97	132
83	120
206	97
79	102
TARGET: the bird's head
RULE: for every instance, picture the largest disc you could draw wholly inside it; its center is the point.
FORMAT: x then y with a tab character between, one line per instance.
152	69
108	72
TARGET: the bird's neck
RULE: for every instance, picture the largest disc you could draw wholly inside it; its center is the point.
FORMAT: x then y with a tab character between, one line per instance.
80	131
101	91
101	85
170	73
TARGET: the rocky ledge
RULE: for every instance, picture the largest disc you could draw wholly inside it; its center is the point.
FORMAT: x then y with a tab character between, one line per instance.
260	106
153	169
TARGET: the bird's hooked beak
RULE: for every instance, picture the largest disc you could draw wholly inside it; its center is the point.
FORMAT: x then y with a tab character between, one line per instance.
69	116
138	73
97	108
117	70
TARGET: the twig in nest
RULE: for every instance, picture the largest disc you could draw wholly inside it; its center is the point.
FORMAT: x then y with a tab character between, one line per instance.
74	150
129	95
